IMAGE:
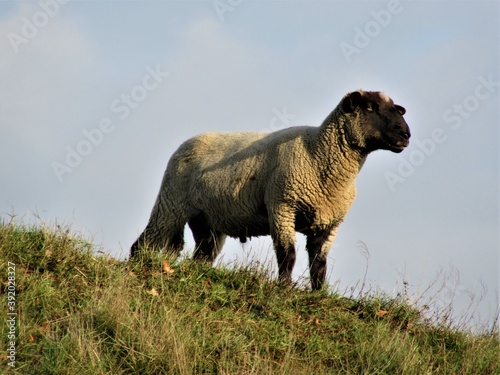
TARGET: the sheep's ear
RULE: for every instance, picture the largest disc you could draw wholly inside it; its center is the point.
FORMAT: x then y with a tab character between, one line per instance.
352	101
400	109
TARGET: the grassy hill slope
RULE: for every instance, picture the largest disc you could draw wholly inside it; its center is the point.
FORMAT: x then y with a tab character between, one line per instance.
77	312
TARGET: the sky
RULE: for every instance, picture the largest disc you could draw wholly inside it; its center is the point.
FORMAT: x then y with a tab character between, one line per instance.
95	96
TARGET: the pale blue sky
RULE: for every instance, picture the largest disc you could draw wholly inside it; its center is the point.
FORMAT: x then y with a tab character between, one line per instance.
237	71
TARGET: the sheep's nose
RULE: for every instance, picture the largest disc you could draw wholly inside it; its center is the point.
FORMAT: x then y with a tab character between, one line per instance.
405	131
404	134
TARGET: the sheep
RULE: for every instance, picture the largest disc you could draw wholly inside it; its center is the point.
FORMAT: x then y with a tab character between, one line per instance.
299	179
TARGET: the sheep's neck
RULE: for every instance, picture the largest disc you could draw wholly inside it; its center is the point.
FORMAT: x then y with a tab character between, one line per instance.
338	163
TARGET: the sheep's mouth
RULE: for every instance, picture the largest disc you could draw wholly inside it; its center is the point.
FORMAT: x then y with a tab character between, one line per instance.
397	145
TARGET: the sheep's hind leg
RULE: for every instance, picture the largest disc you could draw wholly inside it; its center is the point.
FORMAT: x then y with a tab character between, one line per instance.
171	241
164	231
318	246
208	241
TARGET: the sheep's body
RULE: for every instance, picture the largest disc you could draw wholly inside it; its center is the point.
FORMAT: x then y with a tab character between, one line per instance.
246	184
256	171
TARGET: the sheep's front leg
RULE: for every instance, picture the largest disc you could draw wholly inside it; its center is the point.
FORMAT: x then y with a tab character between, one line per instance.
318	245
283	236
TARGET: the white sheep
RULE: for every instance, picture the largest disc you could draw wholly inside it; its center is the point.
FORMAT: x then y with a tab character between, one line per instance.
246	184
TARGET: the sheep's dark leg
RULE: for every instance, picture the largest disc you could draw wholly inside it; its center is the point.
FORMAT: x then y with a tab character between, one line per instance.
283	235
208	241
209	247
318	246
286	261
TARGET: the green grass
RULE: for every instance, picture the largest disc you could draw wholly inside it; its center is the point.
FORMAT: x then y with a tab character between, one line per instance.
83	313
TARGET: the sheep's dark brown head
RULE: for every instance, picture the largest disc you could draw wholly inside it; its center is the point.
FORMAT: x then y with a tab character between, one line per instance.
376	122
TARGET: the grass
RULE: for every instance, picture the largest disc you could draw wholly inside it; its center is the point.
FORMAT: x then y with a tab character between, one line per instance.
79	312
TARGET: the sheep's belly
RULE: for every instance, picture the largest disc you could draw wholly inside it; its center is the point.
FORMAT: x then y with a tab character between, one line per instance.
239	226
245	228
